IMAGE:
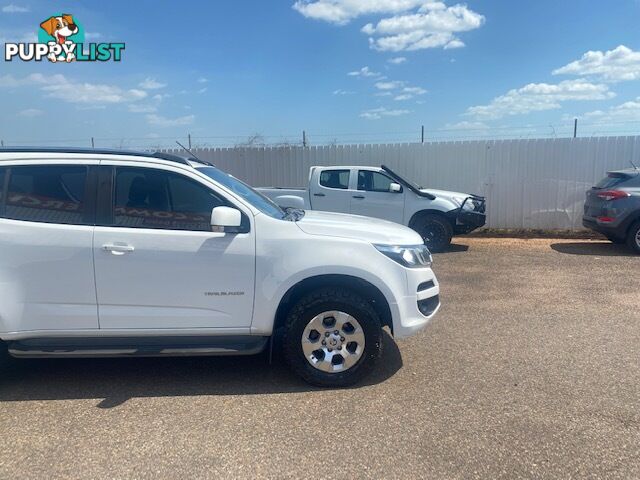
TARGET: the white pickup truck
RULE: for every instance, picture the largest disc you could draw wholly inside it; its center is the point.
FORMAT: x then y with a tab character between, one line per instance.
436	215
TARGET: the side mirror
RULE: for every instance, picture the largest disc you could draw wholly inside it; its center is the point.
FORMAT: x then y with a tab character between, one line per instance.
395	188
225	219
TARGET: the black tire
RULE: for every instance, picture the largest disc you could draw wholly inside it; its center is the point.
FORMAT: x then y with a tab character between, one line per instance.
436	231
616	240
4	355
324	300
633	237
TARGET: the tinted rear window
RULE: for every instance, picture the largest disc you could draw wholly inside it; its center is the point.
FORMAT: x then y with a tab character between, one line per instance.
612	180
49	194
335	179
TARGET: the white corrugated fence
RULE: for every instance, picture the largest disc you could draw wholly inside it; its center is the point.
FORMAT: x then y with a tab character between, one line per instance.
537	183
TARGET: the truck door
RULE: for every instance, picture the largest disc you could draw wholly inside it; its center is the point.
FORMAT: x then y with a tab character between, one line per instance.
330	190
373	197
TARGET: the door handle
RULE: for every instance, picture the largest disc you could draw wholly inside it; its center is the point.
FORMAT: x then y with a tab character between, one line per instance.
359	196
118	249
319	195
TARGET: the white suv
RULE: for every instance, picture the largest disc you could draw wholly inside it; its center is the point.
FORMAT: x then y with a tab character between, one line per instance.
110	253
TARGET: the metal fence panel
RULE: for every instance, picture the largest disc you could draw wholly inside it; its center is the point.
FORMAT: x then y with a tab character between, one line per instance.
532	183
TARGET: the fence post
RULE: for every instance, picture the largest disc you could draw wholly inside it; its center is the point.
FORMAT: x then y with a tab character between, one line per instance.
189	135
304	138
93	145
575	127
1	143
422	136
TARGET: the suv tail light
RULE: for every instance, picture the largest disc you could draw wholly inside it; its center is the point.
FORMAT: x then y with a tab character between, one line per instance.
612	194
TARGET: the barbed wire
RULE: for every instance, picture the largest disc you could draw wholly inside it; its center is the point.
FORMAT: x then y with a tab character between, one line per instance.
308	138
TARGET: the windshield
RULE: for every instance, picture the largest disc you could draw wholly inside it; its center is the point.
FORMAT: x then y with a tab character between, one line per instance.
255	198
408	183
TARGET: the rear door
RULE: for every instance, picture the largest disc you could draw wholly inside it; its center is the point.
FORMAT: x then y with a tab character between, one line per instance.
373	198
159	265
330	190
47	211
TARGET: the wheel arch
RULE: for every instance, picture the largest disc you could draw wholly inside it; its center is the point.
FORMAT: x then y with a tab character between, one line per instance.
362	287
429	211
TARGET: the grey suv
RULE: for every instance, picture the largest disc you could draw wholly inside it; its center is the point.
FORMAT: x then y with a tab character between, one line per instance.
613	208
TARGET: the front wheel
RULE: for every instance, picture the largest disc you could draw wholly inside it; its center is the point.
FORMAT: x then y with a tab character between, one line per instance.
332	338
436	232
633	238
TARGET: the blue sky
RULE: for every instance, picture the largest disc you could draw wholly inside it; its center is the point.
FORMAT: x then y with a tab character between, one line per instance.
343	70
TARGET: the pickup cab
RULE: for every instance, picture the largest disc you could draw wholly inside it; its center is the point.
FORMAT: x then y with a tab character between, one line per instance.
109	253
436	215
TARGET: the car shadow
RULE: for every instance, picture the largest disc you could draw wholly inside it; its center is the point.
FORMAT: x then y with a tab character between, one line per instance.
602	249
454	248
117	380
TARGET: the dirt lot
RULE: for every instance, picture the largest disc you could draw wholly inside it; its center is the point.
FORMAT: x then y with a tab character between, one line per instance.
531	370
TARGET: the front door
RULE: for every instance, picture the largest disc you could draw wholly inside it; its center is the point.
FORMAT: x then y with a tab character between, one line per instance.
158	264
373	198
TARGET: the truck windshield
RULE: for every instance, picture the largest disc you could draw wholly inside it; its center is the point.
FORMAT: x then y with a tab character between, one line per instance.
262	203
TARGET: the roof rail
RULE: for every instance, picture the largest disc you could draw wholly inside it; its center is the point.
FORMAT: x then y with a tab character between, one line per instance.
100	151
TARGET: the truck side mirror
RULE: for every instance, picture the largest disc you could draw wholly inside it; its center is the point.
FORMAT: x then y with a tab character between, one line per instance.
395	188
223	218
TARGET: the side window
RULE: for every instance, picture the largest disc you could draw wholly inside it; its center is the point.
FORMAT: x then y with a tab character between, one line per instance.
47	193
373	181
335	179
149	198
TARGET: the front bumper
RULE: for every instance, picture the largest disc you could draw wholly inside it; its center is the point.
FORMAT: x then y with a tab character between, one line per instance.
467	221
416	310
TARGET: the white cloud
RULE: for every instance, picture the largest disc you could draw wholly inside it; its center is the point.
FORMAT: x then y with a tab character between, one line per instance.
625	112
466	125
433	25
151	84
540	96
202	90
409	92
161	121
11	8
378	113
414	90
397	60
342	12
617	65
30	112
202	80
364	72
390	85
343	92
60	87
383	94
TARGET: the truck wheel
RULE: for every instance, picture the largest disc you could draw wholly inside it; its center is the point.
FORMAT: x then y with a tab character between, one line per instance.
633	238
332	337
436	232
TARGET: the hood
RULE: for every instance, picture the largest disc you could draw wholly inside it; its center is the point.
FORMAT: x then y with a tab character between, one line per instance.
371	230
455	197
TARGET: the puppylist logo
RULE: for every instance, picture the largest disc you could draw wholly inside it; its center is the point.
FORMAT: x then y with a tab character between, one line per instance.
61	38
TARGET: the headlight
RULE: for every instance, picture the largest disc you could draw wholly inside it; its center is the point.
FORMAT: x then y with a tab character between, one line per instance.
469	206
414	256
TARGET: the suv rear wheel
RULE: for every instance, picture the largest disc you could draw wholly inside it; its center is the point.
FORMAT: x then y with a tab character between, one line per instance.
633	238
332	338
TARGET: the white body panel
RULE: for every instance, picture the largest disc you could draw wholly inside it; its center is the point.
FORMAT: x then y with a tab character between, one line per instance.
59	280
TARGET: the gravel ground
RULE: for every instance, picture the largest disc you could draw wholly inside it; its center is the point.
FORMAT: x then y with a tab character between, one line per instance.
530	370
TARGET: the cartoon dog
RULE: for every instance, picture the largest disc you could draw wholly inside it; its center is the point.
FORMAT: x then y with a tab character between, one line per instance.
60	28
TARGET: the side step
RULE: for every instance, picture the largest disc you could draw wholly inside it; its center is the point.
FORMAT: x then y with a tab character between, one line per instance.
171	346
